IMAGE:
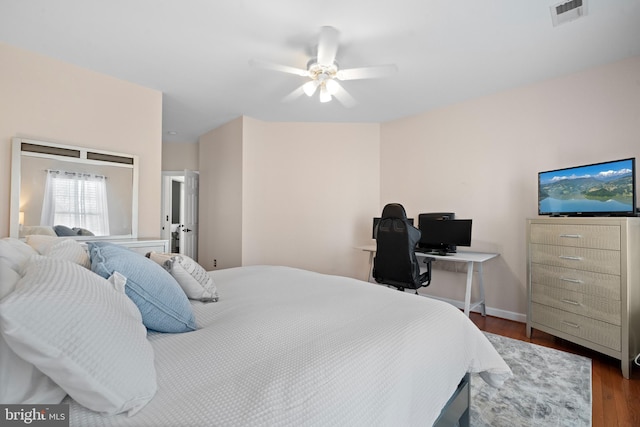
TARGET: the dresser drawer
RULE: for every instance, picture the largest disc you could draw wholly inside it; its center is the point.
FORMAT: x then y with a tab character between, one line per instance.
143	246
143	250
576	235
586	282
592	330
604	309
596	260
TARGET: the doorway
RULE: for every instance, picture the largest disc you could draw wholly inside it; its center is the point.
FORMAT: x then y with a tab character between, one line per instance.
179	222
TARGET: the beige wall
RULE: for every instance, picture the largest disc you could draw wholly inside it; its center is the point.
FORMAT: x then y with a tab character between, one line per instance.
178	156
296	194
220	208
50	100
480	159
309	192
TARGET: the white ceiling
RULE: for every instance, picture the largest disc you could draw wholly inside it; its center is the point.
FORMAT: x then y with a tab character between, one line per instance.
197	52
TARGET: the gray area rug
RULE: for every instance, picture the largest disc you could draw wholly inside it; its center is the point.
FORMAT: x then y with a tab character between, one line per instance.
548	388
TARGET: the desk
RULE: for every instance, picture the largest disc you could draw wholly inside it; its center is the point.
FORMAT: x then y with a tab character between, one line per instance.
470	258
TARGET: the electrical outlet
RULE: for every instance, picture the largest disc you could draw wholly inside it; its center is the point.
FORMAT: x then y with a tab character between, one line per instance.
215	263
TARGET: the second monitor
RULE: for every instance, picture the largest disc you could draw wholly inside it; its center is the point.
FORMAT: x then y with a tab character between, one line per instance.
443	235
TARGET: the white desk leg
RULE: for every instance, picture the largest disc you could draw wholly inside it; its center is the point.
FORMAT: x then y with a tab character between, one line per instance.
481	286
370	272
467	295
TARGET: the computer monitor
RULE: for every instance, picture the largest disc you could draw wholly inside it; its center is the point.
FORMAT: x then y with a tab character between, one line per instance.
376	221
425	216
444	236
436	215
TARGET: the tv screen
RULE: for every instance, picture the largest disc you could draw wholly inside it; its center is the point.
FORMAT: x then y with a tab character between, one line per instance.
606	188
444	235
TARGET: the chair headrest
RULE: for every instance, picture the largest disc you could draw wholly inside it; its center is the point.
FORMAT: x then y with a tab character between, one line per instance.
394	210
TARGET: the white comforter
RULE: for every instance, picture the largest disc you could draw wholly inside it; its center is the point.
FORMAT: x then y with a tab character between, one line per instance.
291	347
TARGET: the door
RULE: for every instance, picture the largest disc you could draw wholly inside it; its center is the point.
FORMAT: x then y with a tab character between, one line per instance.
180	222
189	245
167	187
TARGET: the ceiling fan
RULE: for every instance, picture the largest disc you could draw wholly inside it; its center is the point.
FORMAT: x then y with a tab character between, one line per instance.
324	72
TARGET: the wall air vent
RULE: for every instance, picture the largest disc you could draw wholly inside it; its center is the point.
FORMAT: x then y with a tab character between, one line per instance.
568	11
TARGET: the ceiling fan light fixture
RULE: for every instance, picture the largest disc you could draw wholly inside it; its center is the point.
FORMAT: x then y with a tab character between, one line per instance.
325	96
310	87
332	86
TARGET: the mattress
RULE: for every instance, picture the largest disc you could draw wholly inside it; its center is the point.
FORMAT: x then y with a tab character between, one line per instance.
289	347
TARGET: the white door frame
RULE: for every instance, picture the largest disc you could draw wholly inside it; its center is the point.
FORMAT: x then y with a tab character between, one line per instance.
165	219
189	214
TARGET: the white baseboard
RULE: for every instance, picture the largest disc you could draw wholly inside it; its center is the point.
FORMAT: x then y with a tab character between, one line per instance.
496	312
503	314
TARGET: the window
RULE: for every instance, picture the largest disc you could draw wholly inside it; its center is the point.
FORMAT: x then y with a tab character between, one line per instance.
76	199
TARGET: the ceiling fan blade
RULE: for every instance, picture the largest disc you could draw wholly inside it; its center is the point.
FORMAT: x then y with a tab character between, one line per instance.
297	93
374	72
342	95
328	46
278	67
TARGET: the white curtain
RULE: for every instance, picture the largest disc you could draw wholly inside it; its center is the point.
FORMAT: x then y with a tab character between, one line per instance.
76	200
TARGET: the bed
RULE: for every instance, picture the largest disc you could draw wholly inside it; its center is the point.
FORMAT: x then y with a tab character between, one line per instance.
284	346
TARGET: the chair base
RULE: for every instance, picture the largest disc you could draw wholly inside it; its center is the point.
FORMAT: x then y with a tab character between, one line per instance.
401	289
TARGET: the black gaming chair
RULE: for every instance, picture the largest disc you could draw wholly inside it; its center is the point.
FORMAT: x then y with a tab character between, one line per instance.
395	263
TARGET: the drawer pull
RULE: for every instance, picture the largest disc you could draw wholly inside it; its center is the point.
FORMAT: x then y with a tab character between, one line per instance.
571	236
573	325
571	258
566	279
568	301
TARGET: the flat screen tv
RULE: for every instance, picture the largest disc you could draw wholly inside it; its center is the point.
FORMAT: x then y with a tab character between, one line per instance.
600	189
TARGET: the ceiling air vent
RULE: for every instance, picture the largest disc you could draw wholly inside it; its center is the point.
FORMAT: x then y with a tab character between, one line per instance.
568	11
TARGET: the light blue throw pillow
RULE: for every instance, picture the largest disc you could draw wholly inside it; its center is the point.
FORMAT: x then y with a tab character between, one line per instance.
160	299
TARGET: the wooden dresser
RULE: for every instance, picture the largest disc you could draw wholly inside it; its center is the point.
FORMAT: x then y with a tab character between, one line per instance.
584	283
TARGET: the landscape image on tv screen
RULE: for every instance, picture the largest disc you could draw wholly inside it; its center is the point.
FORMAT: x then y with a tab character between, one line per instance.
603	187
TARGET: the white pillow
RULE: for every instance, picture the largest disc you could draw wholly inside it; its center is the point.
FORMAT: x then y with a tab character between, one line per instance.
192	277
15	253
20	381
81	332
60	247
70	250
41	242
8	279
45	230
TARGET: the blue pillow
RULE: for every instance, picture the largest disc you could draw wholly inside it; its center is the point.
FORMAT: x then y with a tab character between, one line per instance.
82	231
162	302
63	230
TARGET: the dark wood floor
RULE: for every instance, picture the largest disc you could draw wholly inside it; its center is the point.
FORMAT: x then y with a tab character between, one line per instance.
615	400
